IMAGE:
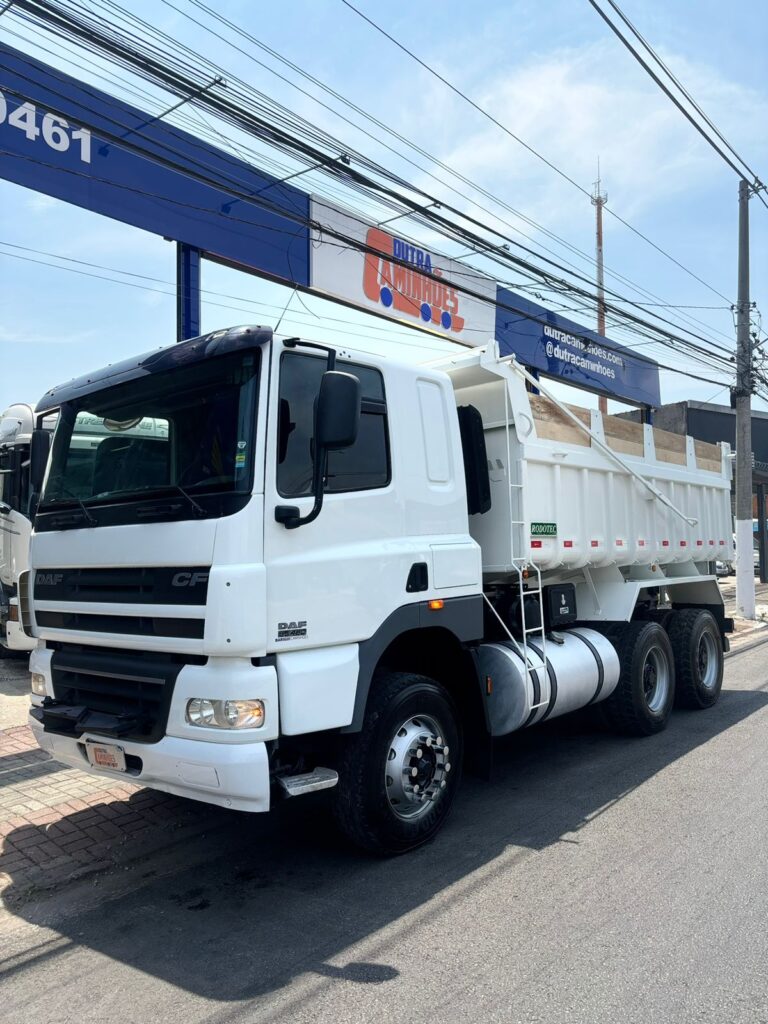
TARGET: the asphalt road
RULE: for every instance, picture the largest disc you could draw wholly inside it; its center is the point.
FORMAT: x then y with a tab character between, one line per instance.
595	880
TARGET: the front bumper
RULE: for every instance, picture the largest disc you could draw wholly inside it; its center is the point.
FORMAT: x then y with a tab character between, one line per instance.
229	768
229	775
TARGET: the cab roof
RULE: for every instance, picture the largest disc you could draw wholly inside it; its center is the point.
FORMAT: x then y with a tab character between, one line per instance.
184	353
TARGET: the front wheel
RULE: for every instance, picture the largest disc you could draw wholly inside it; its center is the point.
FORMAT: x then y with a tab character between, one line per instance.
399	775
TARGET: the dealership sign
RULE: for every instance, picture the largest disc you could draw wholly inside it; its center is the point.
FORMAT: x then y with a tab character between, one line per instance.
390	275
564	349
78	144
69	140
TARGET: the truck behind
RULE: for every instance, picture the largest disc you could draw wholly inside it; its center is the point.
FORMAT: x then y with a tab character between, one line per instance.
16	425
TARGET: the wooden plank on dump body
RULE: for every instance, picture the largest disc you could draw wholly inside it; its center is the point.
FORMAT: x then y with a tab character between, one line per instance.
708	456
669	447
554	425
624	436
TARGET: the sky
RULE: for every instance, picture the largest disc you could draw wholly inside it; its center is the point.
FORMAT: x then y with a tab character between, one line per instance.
550	71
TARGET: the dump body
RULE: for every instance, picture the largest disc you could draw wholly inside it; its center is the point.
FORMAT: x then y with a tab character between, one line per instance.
562	502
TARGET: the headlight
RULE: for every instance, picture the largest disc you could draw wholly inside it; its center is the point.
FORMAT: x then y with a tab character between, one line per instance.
200	712
37	681
225	714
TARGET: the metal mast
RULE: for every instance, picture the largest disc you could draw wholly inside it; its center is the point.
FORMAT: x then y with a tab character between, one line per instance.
599	199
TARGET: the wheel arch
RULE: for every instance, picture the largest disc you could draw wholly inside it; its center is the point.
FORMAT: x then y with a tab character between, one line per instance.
433	643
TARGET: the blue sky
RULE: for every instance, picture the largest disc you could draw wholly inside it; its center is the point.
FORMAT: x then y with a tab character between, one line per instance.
550	71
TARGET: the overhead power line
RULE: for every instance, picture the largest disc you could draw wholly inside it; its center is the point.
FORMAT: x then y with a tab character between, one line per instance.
176	78
535	152
173	79
383	128
665	68
148	287
116	49
757	185
346	242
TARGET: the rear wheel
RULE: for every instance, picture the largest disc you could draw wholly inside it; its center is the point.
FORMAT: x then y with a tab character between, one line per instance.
642	701
698	652
399	775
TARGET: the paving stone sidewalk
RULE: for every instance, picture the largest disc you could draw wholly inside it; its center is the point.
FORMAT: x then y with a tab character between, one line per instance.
57	823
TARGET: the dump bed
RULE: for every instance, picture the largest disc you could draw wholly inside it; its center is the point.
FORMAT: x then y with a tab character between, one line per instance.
572	488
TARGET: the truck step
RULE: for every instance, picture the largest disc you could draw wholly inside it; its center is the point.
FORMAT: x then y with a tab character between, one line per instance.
309	782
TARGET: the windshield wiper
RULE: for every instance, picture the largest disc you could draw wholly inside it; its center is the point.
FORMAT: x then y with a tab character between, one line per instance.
196	507
199	510
90	520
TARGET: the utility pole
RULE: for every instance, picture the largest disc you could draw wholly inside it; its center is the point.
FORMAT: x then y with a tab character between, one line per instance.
599	199
745	573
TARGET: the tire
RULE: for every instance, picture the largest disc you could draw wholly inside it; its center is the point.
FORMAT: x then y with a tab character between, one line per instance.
372	807
663	618
698	650
642	701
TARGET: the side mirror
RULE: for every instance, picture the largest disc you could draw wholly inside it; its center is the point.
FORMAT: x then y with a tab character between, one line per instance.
337	418
38	458
337	421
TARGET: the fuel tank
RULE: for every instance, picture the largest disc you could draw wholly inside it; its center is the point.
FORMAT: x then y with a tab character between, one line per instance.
582	667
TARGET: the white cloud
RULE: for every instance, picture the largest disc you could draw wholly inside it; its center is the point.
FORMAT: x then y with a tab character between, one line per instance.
22	337
574	105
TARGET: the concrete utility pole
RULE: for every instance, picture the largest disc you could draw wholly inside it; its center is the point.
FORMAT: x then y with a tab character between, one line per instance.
599	199
745	573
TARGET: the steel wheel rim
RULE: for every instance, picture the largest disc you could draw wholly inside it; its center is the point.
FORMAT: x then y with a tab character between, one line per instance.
656	679
706	657
416	768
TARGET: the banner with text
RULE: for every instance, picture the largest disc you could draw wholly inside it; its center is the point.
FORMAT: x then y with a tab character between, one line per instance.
561	348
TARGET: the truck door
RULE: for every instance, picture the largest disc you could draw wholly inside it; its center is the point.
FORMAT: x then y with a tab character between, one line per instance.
332	581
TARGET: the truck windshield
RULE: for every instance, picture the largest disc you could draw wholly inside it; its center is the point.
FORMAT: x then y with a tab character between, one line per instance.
171	434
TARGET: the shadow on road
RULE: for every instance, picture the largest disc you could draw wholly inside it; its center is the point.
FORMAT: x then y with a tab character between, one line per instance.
287	895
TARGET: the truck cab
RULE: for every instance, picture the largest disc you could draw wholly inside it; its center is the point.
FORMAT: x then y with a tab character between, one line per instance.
278	571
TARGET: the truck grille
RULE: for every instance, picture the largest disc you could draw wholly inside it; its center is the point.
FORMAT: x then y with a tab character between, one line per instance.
56	590
135	625
134	685
187	585
23	592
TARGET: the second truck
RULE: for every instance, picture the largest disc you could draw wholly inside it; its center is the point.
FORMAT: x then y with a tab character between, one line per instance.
16	425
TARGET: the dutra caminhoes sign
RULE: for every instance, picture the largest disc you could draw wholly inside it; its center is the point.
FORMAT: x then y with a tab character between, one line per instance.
393	276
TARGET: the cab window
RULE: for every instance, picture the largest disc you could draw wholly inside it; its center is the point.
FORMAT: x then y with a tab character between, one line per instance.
364	465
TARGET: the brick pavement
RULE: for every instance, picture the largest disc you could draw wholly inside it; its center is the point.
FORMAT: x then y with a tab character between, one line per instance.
57	823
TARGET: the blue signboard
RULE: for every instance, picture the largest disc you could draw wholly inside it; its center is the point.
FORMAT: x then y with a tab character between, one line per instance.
72	141
76	143
561	348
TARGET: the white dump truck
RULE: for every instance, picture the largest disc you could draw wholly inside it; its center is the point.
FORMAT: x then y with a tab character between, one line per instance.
16	425
290	568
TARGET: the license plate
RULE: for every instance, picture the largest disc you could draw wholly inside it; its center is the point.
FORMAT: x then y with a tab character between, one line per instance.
106	755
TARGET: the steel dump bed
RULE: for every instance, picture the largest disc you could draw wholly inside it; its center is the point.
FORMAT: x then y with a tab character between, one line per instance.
572	488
